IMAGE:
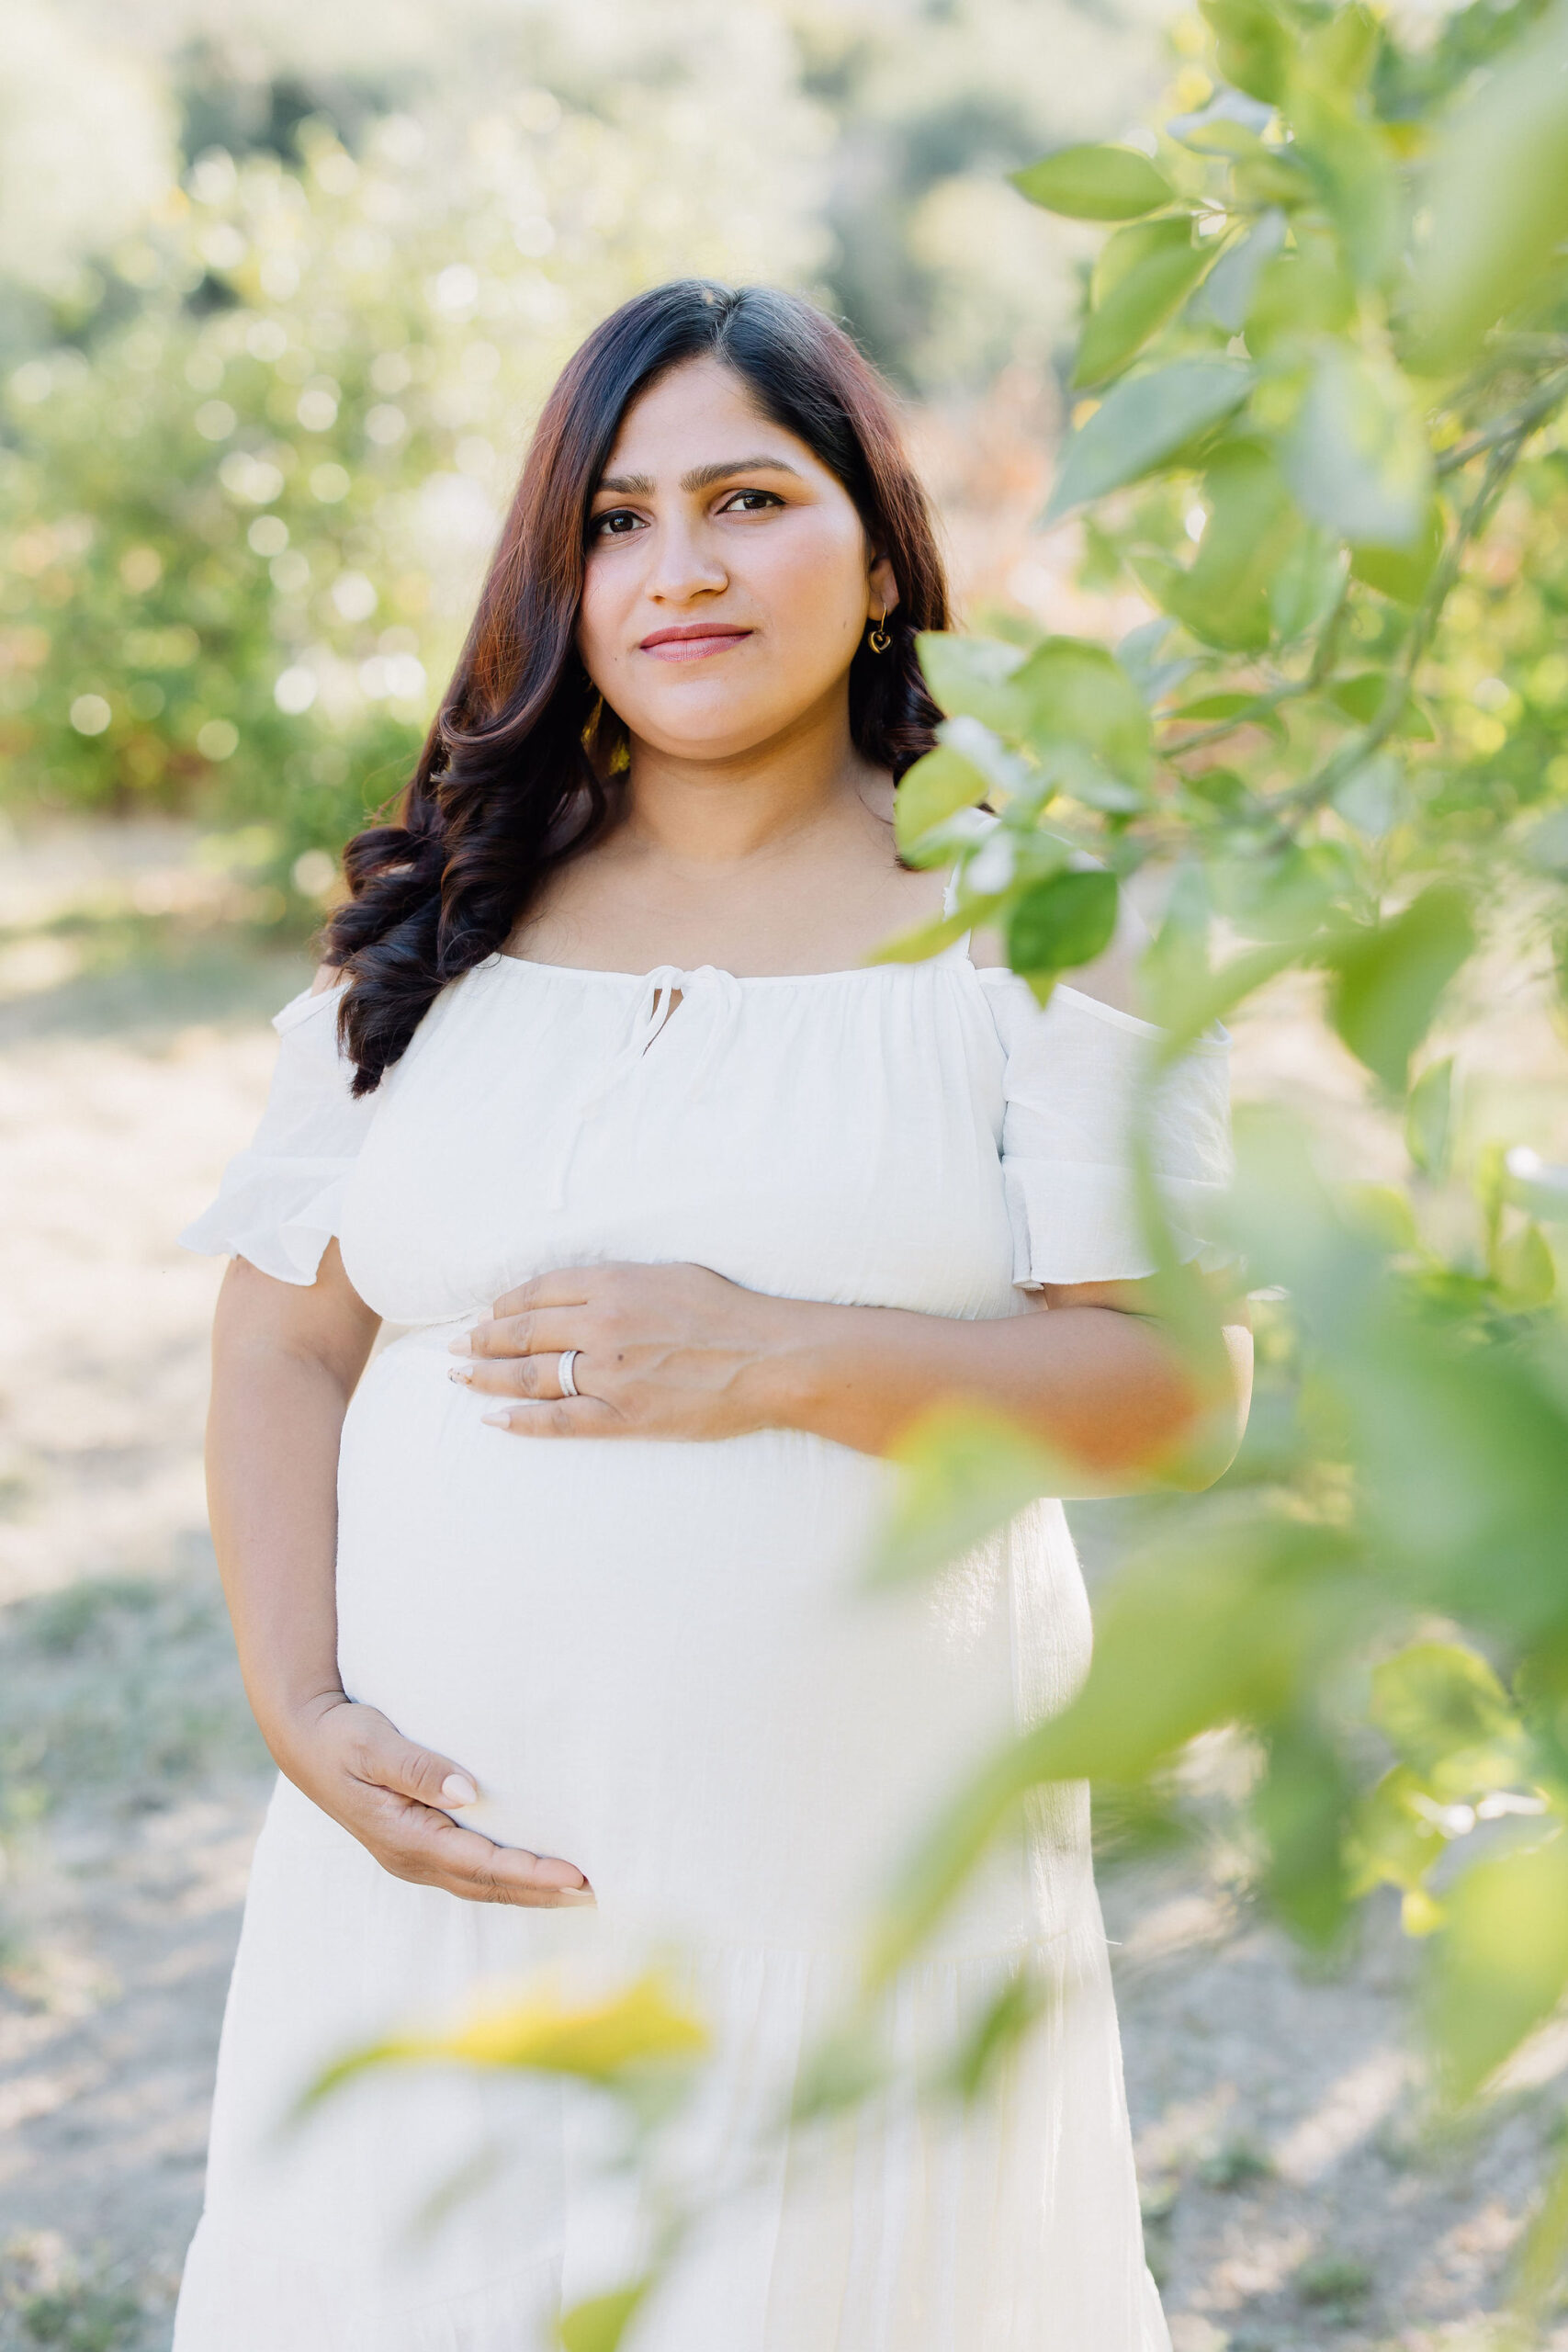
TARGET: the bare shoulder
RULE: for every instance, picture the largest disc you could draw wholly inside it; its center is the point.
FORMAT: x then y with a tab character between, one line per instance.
1112	978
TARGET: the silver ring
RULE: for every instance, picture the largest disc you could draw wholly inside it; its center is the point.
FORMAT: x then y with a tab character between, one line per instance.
563	1372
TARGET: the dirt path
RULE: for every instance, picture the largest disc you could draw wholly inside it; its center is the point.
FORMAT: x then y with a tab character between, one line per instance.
1294	2198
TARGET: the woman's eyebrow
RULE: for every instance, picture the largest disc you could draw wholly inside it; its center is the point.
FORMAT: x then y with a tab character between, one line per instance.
700	476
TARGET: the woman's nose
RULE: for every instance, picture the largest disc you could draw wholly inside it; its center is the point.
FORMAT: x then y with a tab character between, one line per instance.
685	564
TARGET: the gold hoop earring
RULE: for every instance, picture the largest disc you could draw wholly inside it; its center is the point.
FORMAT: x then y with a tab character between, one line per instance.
879	640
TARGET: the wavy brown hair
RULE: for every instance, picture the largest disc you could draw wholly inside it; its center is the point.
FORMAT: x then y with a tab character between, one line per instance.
506	785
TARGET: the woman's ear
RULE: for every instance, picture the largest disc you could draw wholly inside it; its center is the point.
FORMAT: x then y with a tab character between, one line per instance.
881	589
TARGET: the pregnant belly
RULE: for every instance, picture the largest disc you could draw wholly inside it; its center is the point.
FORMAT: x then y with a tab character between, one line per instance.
658	1660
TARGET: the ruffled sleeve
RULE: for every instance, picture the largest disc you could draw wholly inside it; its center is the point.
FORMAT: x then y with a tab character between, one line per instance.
280	1199
1074	1078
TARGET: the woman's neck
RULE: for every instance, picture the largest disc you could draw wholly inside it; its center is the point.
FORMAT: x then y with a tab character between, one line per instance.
758	804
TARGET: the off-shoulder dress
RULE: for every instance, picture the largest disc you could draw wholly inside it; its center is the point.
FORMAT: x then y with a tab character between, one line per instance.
661	1660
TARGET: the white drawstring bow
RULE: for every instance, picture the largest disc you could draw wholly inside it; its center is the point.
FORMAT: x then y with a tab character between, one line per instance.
707	992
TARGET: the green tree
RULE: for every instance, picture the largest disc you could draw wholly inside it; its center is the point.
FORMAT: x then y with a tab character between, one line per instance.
249	500
1323	368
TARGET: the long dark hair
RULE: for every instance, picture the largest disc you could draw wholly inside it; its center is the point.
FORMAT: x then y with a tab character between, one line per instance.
506	785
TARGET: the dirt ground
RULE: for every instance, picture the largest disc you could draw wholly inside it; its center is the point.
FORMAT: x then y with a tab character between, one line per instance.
1296	2193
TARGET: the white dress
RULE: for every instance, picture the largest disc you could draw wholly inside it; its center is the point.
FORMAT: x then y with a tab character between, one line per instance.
659	1660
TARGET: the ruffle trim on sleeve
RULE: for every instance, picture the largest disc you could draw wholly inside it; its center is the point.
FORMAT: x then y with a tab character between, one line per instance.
1073	1222
277	1214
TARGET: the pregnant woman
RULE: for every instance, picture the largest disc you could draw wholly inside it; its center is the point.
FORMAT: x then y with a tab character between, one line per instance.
553	1615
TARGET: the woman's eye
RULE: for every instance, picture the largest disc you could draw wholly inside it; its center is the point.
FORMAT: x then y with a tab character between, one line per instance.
749	501
618	523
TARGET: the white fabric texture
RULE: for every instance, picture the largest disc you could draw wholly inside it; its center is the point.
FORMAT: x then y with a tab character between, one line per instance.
661	1660
1079	1076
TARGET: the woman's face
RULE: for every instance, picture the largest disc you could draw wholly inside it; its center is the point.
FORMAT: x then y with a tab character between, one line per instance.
727	580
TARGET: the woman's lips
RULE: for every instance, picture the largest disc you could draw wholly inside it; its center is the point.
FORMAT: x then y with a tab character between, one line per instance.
694	644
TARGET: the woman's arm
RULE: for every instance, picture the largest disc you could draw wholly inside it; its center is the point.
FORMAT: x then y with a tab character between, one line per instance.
1094	1373
681	1352
286	1358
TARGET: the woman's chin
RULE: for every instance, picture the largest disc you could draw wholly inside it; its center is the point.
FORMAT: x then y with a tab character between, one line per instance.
696	731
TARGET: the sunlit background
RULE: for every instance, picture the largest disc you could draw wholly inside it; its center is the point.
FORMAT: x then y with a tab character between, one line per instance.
288	285
281	288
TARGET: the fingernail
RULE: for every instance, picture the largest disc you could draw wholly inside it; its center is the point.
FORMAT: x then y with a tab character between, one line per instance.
496	1420
576	1894
464	1372
457	1789
461	1346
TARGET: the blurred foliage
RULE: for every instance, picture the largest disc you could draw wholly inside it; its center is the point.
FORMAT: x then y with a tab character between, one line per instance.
249	502
280	304
604	2042
637	2046
1324	355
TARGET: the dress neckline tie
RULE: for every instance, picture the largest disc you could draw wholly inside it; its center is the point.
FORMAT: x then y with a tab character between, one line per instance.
710	997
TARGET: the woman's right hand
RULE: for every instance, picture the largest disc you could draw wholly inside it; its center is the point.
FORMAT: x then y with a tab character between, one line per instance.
397	1799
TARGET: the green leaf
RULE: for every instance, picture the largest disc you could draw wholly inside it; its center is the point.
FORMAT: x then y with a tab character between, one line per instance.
1387	981
1373	796
966	1471
931	790
1074	696
1497	196
1435	1701
1355	175
973	675
1356	454
1361	697
1095	184
1223	789
841	2070
1231	124
1063	922
1274	178
1007	2019
930	939
1396	1842
1007	775
1303	292
1501	1964
1403	573
1254	522
1302	1805
1305	584
1229	289
599	2325
1227	1628
1255	47
1144	274
1341	51
1206	710
1527	1272
1429	1119
1087	781
1145	421
1285	892
600	2040
1384	1212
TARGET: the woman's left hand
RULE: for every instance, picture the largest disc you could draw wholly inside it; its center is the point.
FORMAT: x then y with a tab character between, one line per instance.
663	1351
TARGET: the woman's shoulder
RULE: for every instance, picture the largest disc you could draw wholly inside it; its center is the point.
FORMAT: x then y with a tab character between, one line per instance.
313	1003
1110	982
